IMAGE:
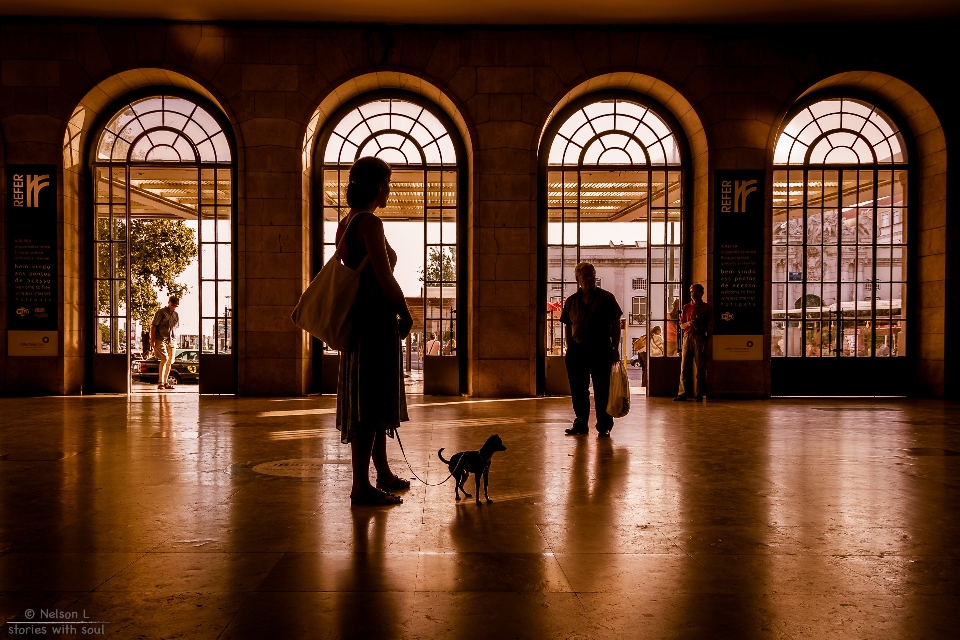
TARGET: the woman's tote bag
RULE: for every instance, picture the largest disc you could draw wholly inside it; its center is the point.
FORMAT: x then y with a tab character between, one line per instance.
618	405
324	308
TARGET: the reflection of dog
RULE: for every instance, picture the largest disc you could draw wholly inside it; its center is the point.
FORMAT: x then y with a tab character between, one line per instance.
476	462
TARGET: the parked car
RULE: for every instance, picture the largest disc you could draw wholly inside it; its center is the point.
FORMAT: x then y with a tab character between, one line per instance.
185	368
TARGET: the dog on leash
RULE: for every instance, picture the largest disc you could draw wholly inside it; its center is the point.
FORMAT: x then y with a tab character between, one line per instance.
464	463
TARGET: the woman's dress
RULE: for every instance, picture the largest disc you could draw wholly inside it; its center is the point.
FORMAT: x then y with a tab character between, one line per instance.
370	393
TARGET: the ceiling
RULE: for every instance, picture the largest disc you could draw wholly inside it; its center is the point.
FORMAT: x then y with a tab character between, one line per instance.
494	11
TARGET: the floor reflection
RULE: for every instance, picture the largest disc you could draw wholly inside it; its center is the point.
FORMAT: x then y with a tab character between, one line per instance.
727	519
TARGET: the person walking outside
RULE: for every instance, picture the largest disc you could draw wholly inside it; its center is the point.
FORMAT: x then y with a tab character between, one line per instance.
163	339
591	319
371	402
696	322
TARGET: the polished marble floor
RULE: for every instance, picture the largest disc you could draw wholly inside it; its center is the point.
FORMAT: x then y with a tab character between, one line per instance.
178	516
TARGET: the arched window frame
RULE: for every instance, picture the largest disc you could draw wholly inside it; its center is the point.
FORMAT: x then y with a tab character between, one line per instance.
207	155
682	163
458	163
900	158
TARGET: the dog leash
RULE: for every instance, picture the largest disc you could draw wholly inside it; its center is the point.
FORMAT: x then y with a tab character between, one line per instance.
397	432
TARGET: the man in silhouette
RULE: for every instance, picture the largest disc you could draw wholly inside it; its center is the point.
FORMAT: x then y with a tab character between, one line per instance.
591	319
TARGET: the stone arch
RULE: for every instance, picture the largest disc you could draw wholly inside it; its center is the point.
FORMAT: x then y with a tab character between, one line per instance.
370	82
79	126
373	81
678	105
930	244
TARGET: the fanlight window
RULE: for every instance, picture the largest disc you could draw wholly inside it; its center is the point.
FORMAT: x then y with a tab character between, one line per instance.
614	132
840	244
420	219
614	197
163	129
839	132
396	131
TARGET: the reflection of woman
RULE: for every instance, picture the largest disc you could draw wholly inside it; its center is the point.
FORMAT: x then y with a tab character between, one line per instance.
433	346
370	396
813	343
656	342
673	328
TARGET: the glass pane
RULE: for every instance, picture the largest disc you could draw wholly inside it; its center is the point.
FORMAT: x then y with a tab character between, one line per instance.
120	298
208	186
164	192
208	261
433	228
119	259
208	299
208	225
119	225
103	260
103	184
449	188
104	297
104	327
224	297
208	334
849	264
849	189
224	343
118	186
828	183
224	261
224	186
899	330
224	225
434	189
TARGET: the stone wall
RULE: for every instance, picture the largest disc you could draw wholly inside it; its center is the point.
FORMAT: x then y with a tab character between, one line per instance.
729	87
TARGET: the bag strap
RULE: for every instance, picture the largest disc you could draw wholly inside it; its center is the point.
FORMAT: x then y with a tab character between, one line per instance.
336	251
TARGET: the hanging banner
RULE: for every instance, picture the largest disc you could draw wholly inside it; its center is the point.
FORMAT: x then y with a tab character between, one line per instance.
32	260
738	265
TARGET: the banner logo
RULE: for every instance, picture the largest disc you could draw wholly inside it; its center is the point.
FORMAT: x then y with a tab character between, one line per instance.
742	189
734	194
26	189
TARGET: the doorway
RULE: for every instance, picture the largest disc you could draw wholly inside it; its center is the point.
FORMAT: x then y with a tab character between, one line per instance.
164	200
424	222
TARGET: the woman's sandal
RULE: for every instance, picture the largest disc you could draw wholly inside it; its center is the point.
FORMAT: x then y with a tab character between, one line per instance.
395	483
375	498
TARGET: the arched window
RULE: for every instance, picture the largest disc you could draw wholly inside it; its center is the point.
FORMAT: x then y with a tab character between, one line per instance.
421	219
163	178
613	184
839	233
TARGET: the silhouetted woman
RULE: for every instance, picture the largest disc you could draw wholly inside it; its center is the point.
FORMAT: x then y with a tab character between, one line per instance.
370	397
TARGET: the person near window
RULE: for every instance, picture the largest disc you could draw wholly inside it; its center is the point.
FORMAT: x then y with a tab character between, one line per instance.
371	402
163	337
696	322
433	346
656	342
591	319
673	330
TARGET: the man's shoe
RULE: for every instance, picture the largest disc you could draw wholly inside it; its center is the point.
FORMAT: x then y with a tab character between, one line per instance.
699	398
604	434
680	399
575	431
